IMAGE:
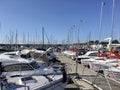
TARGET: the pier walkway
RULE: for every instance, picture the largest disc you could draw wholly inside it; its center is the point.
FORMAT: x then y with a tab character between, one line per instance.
88	74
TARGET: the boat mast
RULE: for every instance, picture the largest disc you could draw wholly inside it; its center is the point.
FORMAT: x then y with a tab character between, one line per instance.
112	28
89	38
16	39
43	36
100	26
28	38
79	31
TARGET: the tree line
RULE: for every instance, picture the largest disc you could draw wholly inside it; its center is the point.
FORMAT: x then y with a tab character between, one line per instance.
103	43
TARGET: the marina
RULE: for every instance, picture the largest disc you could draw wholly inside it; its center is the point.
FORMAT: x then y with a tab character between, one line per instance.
59	45
26	69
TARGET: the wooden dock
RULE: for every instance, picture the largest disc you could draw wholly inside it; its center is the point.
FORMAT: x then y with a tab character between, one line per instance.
100	81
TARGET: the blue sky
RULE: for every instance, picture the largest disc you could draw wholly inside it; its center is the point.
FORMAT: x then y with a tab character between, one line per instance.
57	17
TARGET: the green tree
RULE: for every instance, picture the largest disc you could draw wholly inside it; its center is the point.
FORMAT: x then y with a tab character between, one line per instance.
96	41
91	42
115	41
104	43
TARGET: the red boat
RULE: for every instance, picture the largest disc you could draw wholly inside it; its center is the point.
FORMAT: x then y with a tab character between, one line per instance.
112	53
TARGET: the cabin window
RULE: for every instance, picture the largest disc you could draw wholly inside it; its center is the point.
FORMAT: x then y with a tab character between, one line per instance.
25	67
10	54
11	68
34	65
26	55
93	54
17	67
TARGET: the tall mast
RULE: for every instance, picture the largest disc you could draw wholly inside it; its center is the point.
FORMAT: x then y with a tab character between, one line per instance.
100	26
112	19
24	38
16	39
28	39
89	38
110	41
43	36
79	31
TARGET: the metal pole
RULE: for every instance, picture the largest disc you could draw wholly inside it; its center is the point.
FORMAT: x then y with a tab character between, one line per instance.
79	31
76	65
72	35
89	38
78	35
43	35
100	26
76	68
112	19
25	85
